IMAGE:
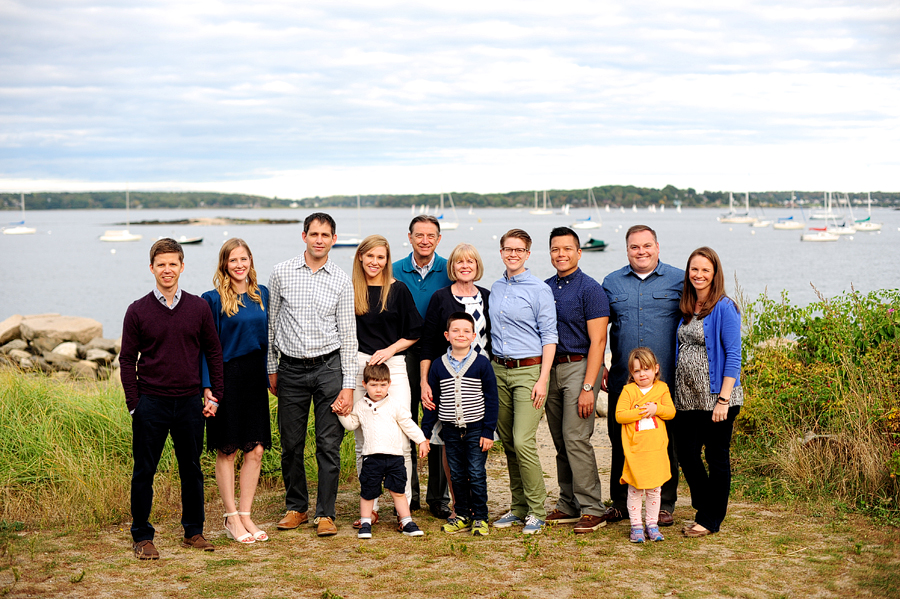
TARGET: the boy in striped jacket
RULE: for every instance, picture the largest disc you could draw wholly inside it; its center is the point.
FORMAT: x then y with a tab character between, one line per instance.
466	403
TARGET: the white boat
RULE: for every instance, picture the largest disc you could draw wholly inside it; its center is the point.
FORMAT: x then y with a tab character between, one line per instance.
185	240
19	228
607	207
541	211
352	242
827	213
787	223
116	235
450	225
634	207
819	236
738	218
589	222
842	228
761	224
565	209
865	225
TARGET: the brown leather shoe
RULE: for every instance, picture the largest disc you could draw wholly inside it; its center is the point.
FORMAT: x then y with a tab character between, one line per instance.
145	550
696	531
325	526
589	523
612	515
560	517
665	518
197	542
292	519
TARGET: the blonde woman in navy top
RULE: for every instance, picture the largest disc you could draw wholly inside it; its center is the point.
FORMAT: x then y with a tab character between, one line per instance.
238	306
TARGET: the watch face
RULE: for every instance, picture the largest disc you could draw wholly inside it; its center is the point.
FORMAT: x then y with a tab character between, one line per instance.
588	387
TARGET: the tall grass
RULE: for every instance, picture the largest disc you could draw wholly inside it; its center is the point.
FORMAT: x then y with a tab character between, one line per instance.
821	419
65	454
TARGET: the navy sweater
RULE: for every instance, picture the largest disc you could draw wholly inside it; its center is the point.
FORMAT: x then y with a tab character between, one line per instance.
169	342
481	375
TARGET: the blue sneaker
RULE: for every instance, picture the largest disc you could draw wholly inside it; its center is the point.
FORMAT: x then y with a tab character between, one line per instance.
653	533
365	531
533	525
637	534
411	530
508	519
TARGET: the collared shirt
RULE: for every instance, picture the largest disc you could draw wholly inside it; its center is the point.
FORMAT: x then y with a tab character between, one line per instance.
421	286
311	314
163	299
579	298
457	364
422	270
643	313
523	316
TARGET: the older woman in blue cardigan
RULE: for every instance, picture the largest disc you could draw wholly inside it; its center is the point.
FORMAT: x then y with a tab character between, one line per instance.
708	393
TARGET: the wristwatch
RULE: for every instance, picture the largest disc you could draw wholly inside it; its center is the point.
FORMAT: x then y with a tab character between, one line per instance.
588	387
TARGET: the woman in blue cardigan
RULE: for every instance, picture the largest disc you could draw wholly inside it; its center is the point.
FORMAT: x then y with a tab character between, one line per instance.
708	394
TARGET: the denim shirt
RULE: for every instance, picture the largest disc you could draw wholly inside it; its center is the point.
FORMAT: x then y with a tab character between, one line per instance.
643	313
523	316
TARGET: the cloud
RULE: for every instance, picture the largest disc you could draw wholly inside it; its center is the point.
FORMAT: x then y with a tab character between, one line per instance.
226	93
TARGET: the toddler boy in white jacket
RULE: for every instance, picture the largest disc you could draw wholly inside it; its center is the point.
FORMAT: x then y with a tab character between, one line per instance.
387	427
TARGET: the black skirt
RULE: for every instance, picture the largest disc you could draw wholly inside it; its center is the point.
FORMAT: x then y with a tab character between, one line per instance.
242	420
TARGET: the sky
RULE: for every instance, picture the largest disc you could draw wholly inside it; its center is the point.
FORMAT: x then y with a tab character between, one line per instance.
299	99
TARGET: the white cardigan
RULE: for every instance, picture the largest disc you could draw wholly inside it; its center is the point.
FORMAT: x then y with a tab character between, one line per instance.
386	425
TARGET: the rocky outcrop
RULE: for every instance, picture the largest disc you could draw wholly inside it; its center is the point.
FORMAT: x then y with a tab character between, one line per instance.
61	346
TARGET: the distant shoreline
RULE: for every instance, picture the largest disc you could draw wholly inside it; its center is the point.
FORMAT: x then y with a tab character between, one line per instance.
218	221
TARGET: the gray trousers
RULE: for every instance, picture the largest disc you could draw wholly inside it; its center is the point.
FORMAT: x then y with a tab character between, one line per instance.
299	386
576	464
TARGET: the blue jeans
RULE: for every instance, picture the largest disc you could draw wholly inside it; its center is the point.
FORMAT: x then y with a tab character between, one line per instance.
153	420
318	383
467	469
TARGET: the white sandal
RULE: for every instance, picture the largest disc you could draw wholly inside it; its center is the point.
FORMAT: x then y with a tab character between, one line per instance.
260	535
245	539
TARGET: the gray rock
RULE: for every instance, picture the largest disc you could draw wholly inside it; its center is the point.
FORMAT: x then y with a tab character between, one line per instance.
9	328
110	345
85	369
14	344
46	330
68	349
57	361
40	363
26	363
18	355
100	356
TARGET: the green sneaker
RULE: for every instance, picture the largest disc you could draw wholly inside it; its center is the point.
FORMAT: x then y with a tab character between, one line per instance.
458	524
480	528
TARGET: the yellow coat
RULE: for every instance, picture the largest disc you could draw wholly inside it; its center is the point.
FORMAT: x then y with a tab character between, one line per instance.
646	459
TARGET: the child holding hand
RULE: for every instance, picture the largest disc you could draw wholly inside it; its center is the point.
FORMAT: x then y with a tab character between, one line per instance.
387	427
643	405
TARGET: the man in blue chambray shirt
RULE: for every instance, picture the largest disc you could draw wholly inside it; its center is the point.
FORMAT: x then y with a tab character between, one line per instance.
582	316
643	302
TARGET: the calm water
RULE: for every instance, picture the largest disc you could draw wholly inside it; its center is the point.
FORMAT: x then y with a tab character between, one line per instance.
66	269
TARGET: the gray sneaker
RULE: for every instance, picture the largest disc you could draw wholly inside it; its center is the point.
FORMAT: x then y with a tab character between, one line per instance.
506	520
533	525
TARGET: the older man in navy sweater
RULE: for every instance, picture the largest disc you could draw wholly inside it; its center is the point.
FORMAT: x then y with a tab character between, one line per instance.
164	334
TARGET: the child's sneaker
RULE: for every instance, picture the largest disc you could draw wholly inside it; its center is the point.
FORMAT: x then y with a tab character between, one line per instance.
507	520
365	531
653	533
533	525
411	530
480	528
637	534
458	524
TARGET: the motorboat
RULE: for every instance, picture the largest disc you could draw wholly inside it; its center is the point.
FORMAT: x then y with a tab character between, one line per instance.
593	245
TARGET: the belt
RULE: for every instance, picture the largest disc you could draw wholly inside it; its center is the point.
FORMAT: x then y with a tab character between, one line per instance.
308	361
566	358
518	363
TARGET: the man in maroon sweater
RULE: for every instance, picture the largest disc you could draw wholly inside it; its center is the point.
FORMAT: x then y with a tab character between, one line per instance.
163	336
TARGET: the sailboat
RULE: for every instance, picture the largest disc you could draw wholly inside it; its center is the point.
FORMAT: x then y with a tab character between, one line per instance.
19	228
843	228
352	242
587	223
826	214
540	211
866	225
450	225
738	218
788	223
122	234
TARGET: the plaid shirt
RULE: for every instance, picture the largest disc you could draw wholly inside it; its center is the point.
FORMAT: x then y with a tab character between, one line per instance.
311	314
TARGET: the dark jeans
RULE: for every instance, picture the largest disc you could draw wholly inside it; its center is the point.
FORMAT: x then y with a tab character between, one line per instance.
619	492
467	469
299	385
437	494
694	430
153	420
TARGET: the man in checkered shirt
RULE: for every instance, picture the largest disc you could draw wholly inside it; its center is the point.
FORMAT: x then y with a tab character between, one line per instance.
312	326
